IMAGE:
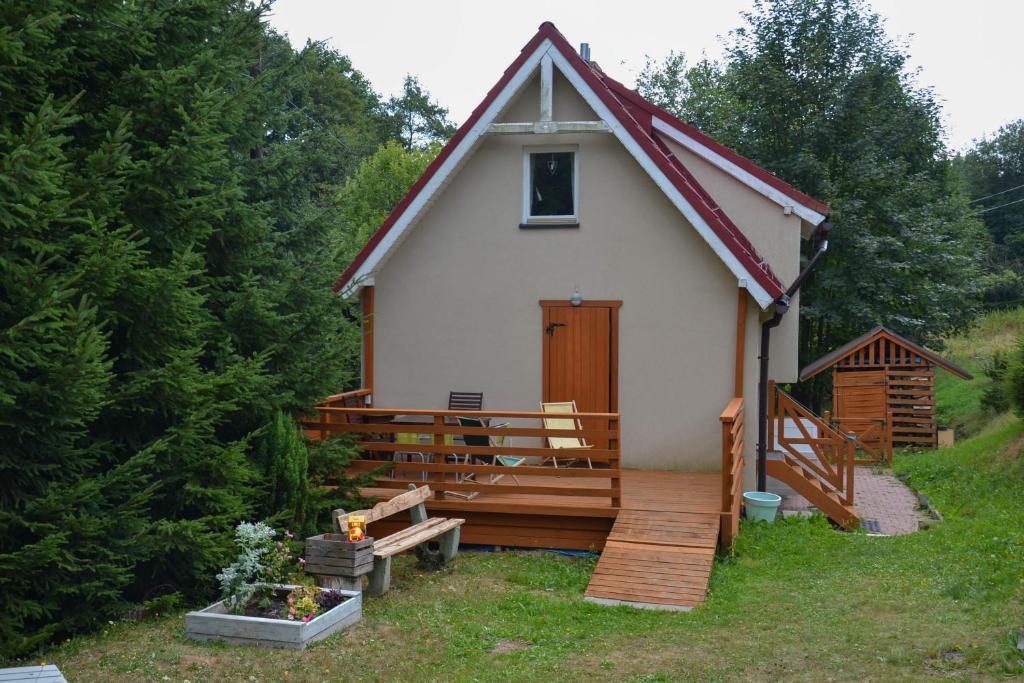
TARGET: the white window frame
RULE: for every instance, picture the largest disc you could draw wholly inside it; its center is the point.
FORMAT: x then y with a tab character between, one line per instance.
527	185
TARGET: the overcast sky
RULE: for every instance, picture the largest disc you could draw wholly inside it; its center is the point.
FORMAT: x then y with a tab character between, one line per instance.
969	51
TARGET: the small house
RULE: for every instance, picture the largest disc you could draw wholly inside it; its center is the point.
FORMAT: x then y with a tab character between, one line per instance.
573	242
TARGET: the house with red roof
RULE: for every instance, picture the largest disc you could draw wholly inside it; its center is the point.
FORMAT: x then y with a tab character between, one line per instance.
574	242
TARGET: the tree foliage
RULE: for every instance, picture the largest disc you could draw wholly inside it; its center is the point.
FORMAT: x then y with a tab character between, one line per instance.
373	190
414	118
993	172
815	91
169	174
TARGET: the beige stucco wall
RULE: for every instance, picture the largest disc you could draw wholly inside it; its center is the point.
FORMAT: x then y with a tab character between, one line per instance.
775	236
457	304
566	103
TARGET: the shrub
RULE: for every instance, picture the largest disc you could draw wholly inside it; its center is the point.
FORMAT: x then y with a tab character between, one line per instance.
995	398
285	461
1014	382
261	561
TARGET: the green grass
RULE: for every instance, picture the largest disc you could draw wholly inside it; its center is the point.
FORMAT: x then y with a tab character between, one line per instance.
798	601
958	403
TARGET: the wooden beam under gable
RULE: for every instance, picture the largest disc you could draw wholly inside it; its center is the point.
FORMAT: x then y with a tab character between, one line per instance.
548	127
741	340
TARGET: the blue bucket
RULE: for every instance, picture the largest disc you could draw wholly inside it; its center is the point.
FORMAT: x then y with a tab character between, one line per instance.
761	506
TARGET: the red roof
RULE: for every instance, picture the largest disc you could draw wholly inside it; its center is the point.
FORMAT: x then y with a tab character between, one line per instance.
634	114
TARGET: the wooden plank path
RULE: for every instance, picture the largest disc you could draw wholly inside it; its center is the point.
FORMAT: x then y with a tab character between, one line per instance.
661	549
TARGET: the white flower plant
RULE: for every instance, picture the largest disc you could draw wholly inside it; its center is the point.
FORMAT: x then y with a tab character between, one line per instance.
261	561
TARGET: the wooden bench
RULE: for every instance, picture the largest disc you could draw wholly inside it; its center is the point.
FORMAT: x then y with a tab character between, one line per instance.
417	536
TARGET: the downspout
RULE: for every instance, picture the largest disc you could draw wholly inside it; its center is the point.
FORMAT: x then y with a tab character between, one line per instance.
781	308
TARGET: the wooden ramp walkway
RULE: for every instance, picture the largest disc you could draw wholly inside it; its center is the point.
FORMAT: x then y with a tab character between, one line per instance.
661	549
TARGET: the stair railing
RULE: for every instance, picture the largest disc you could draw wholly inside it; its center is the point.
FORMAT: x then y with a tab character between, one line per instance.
828	454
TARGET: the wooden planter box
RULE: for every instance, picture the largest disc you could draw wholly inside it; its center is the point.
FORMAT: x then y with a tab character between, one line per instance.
216	623
334	555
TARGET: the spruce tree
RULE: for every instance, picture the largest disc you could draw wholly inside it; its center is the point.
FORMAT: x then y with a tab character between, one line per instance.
70	520
167	173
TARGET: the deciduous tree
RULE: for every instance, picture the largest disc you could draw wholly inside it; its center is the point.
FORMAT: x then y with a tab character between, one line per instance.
815	91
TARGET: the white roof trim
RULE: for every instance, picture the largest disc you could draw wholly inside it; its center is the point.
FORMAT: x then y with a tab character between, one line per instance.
763	298
753	182
393	237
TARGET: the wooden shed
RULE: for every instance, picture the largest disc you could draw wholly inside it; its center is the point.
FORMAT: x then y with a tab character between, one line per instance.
883	389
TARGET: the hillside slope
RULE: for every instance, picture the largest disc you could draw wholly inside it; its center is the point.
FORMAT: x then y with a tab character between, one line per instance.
958	403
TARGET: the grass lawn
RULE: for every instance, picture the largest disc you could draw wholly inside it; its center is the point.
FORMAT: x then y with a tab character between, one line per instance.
798	601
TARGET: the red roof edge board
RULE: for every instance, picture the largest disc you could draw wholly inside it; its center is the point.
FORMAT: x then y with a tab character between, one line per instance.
626	107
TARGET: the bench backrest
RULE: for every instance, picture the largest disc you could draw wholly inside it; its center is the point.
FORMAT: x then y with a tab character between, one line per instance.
410	499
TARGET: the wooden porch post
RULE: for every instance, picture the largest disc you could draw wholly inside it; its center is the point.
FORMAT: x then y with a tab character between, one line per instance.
615	464
366	299
741	340
440	458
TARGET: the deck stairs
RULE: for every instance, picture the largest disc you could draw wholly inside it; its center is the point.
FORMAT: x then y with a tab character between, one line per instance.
660	551
813	459
817	492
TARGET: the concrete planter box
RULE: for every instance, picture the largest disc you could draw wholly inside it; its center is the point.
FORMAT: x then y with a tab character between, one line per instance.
216	623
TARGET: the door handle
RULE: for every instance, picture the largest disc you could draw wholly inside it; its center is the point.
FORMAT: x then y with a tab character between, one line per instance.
550	329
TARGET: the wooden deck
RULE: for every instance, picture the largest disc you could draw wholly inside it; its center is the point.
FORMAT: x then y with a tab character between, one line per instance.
565	521
658	548
659	530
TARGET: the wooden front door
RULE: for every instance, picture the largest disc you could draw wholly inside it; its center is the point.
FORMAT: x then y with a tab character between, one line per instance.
581	356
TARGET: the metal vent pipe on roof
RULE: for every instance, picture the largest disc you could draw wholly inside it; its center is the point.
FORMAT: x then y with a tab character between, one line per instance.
585	51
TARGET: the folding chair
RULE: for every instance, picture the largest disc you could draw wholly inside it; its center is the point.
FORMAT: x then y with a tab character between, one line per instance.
564	443
470	401
473	440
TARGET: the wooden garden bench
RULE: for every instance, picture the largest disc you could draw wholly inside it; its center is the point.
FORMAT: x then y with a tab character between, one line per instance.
417	536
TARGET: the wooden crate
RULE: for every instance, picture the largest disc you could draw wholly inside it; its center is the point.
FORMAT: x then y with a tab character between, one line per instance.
334	555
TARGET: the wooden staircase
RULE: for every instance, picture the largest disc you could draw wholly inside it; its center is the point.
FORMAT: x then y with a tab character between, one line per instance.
813	458
821	496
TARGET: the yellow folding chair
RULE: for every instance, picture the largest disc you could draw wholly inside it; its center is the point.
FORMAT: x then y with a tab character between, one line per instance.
564	443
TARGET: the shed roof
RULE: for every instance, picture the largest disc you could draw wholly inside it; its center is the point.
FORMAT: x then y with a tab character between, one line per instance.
633	120
851	347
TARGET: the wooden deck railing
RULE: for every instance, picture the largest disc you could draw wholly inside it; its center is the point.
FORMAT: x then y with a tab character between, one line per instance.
732	419
354	398
828	455
449	465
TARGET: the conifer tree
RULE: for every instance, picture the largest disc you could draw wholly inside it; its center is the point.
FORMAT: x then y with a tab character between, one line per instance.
167	173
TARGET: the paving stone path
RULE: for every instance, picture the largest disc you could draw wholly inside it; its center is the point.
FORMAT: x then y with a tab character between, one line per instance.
878	496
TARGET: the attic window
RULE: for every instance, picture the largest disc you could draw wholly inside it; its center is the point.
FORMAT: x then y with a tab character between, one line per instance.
550	186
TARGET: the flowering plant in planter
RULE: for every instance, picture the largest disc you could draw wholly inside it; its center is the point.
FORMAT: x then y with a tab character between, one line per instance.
302	603
262	561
